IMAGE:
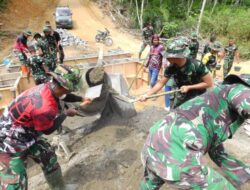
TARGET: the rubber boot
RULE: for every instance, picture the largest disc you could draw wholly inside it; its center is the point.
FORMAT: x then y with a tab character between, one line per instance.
55	181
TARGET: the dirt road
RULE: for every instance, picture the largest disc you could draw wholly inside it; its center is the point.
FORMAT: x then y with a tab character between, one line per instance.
88	19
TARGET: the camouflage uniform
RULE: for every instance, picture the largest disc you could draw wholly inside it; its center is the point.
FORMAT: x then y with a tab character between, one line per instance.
51	56
147	34
35	63
33	113
194	47
175	147
48	55
191	73
229	58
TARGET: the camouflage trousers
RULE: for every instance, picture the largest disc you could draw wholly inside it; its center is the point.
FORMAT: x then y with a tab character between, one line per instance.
228	63
144	45
22	58
13	174
178	159
50	62
61	54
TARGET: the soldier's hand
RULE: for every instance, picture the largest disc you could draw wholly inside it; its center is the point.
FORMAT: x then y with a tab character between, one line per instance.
85	102
71	112
184	89
143	98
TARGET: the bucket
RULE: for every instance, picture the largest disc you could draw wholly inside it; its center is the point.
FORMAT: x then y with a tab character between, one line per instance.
24	69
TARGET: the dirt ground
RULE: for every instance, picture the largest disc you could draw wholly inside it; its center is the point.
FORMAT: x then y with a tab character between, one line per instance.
109	158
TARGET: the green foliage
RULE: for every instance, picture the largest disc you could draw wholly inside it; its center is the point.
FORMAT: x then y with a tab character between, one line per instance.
229	18
3	4
170	29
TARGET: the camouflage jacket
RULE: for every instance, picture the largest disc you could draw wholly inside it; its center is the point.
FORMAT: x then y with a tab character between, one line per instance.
44	45
177	143
147	33
51	40
194	47
191	73
35	63
230	51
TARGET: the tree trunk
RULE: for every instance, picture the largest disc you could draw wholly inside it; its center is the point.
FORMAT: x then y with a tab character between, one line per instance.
141	16
137	13
190	7
200	17
215	3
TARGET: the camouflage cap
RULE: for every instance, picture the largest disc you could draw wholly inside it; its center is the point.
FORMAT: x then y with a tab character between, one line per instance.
194	36
243	79
177	48
46	29
67	77
27	32
216	46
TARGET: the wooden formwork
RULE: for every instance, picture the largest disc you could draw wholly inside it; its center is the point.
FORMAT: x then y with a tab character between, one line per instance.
9	87
93	57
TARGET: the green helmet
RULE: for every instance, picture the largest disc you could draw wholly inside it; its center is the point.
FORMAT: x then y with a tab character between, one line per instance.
67	77
46	29
243	79
27	32
177	48
216	46
194	36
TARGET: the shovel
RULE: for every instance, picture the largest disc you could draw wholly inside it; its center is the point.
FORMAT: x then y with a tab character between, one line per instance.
129	100
94	92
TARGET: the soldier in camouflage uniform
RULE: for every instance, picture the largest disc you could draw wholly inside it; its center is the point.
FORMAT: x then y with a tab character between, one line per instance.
51	56
194	46
211	58
231	51
33	113
147	34
21	47
175	147
191	76
37	66
208	45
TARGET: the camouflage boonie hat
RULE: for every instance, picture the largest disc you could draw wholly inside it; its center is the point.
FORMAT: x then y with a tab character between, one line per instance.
177	49
67	77
216	46
243	79
27	32
194	36
46	29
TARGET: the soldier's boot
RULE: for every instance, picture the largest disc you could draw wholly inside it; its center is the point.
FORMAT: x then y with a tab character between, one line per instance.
55	181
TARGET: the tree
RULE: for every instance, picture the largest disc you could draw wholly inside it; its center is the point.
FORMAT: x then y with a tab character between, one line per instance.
200	17
139	16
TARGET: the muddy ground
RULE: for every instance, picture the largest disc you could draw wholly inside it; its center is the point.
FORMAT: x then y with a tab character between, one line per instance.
109	157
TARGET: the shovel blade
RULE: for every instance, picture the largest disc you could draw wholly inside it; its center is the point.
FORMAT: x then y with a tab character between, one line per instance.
94	92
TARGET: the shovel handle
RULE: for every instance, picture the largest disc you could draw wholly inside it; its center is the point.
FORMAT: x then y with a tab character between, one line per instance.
159	94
